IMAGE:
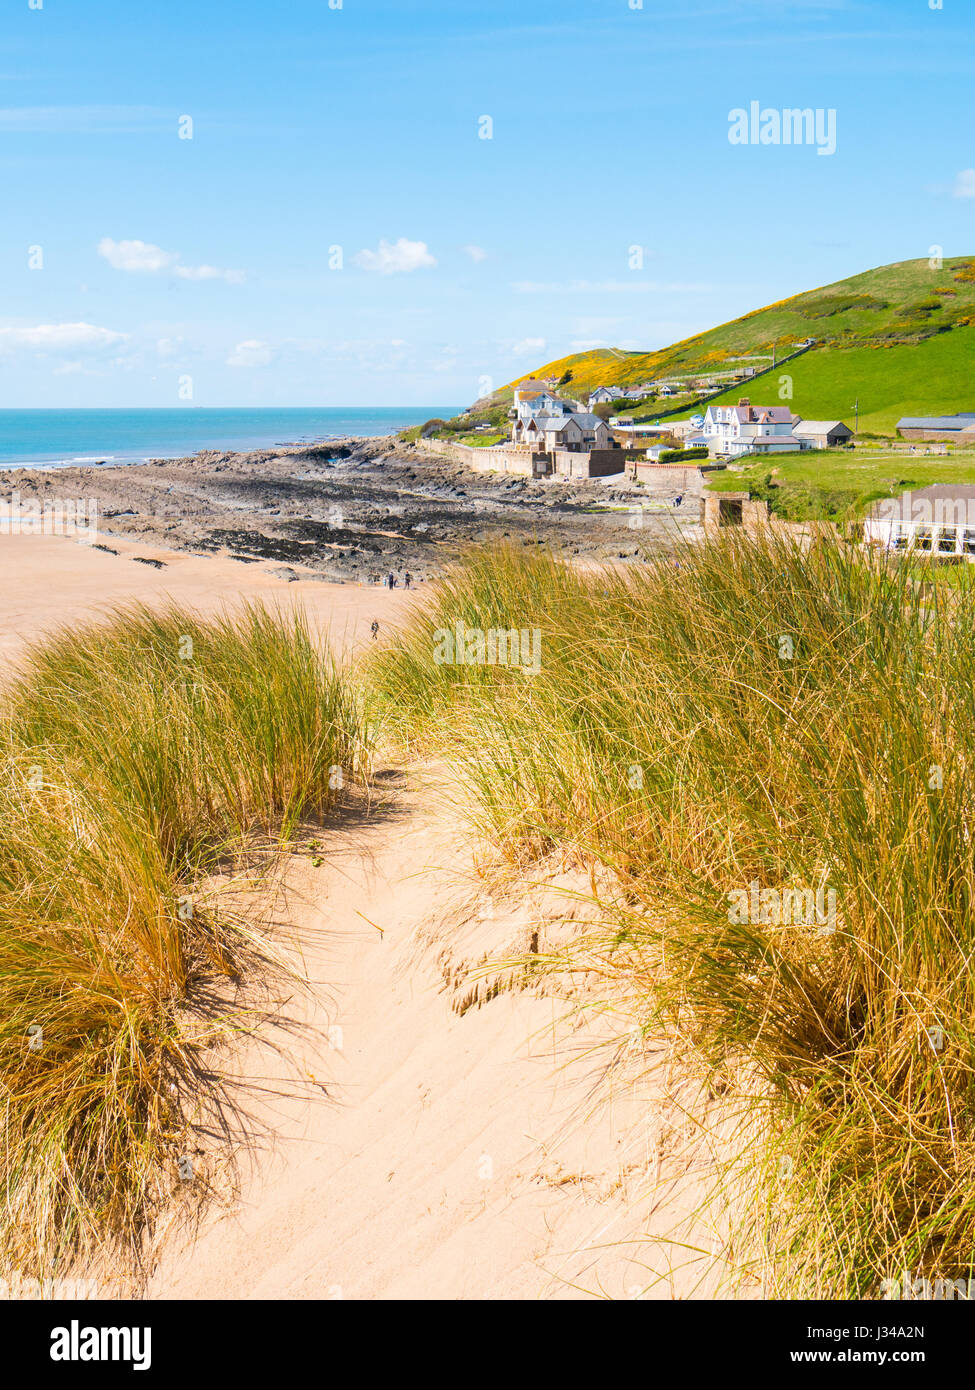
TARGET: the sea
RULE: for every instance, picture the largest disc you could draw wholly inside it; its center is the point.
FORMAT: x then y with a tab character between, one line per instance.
67	438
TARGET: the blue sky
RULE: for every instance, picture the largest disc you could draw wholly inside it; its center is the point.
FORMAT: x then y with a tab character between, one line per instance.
138	266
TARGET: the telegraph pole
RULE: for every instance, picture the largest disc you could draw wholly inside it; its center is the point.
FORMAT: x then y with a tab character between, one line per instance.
856	423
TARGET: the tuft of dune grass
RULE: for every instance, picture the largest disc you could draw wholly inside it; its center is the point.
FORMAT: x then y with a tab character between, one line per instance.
139	753
755	711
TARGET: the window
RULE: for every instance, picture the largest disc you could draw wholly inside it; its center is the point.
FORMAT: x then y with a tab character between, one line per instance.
922	537
946	540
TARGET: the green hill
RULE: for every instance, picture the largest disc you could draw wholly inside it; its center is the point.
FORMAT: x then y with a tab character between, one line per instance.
933	377
901	338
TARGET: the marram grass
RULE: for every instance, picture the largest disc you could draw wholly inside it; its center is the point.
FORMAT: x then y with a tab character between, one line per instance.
139	753
744	719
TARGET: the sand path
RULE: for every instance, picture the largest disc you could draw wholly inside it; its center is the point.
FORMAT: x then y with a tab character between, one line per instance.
421	1152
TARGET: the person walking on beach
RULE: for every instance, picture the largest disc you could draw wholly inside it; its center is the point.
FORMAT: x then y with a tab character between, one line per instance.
678	499
392	580
407	580
374	629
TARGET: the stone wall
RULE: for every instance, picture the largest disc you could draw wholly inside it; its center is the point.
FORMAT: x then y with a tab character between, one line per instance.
566	463
483	460
962	437
666	478
752	516
592	463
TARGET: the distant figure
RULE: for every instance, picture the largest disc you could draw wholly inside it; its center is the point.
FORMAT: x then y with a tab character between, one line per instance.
375	629
678	499
392	580
407	580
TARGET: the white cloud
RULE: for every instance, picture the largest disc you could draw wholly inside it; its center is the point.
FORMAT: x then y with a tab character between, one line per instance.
394	257
143	258
140	257
965	184
61	337
169	347
250	353
528	345
476	253
587	344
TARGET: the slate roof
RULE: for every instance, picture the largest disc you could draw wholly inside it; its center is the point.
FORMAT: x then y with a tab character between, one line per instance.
816	426
963	420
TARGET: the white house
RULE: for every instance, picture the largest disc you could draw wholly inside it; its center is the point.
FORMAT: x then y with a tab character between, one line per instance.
745	428
937	520
538	400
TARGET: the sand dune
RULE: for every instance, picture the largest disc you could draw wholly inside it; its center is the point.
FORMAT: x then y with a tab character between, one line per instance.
416	1138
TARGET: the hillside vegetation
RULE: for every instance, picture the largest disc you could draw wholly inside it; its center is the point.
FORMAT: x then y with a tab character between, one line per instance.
899	336
933	377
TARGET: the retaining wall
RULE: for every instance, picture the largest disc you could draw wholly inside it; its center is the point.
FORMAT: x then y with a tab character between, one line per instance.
595	463
483	460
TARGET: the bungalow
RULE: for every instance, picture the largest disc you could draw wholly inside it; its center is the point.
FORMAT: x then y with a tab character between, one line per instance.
822	434
959	428
604	394
745	428
936	520
655	451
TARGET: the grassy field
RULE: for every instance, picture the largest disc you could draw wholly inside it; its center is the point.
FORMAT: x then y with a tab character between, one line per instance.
899	336
839	484
753	722
139	755
933	377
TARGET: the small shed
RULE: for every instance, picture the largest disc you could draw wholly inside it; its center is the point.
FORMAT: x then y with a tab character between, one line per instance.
823	434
